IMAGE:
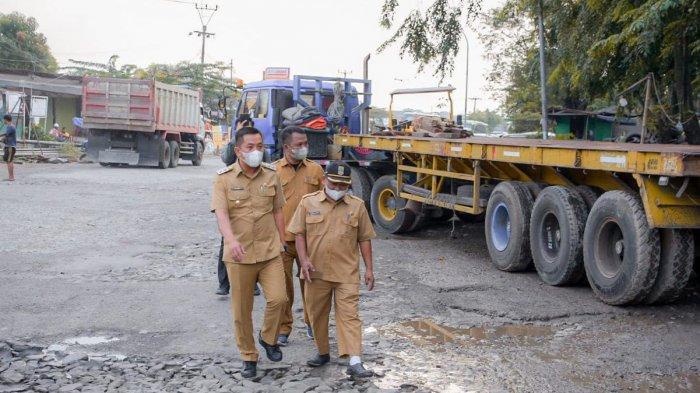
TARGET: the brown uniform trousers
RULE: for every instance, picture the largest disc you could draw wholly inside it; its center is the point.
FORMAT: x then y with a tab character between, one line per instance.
250	202
332	231
297	181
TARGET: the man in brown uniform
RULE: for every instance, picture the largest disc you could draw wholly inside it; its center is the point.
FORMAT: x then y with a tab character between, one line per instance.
299	177
248	199
329	225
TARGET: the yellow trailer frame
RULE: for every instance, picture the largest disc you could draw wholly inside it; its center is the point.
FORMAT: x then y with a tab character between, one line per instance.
665	176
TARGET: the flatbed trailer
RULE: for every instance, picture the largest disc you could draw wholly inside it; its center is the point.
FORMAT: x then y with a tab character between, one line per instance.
621	214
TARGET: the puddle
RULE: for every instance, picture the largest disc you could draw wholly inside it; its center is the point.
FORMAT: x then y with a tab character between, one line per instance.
436	334
85	340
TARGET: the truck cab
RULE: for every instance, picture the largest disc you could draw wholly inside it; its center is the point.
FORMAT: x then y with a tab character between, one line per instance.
265	101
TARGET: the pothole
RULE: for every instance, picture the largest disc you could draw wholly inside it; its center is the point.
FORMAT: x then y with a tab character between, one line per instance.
425	331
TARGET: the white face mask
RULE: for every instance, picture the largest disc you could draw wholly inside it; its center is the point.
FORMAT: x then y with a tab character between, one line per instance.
335	194
253	158
300	153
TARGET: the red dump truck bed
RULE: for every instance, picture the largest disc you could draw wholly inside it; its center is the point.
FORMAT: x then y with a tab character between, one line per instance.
139	105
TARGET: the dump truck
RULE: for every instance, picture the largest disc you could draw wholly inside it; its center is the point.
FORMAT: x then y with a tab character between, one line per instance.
622	216
141	122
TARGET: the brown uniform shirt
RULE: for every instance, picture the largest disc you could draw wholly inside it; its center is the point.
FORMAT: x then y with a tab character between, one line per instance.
250	202
332	230
297	182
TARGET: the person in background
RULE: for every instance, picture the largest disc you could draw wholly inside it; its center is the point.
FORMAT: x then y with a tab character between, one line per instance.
299	177
55	132
330	226
10	140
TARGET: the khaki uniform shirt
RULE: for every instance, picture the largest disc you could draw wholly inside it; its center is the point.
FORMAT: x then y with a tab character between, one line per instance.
250	202
333	230
297	182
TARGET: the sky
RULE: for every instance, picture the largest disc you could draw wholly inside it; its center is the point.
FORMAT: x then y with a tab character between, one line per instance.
312	37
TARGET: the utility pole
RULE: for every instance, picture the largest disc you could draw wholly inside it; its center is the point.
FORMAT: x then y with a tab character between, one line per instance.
475	99
543	72
202	10
466	78
231	72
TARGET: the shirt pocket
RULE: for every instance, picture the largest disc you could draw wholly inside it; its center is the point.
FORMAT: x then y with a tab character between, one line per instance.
238	199
349	227
311	184
314	225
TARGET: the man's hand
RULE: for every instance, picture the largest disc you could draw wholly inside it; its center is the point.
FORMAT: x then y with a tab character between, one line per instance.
238	251
369	279
306	269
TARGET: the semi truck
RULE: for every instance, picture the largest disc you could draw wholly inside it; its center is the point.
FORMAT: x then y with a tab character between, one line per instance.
622	216
141	122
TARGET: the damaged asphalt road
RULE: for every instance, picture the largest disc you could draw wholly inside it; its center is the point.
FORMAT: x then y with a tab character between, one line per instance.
108	279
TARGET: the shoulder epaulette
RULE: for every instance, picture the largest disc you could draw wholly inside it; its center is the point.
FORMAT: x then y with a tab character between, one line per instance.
355	197
311	194
269	166
226	169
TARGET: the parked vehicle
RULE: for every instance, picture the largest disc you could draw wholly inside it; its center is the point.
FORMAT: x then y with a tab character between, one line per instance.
141	122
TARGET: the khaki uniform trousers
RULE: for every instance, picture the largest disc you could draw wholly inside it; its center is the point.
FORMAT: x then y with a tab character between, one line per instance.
319	295
288	258
270	275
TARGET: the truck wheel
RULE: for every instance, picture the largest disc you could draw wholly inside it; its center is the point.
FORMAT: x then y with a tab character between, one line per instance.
361	184
675	266
198	153
174	154
388	210
508	226
620	251
556	235
588	194
164	160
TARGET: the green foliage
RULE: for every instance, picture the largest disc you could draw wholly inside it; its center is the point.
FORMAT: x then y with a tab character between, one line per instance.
431	36
492	118
595	49
22	47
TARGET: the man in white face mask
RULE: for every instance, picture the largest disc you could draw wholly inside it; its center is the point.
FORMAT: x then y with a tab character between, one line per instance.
299	177
248	199
330	227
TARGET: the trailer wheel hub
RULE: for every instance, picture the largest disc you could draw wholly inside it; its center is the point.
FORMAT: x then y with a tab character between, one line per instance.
500	227
387	204
611	249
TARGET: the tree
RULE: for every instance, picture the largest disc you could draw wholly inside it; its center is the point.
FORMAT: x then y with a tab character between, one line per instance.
492	118
108	69
432	36
22	47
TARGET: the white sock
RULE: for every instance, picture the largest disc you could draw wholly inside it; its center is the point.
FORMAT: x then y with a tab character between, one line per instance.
355	360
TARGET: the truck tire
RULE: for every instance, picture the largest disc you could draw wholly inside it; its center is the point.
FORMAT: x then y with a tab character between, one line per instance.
361	184
675	265
588	194
620	251
174	154
388	210
164	160
198	153
556	235
508	226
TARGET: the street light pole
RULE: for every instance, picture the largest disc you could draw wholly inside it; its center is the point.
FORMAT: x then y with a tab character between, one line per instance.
466	77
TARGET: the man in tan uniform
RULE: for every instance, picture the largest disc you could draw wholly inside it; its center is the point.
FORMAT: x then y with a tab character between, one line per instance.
329	226
248	199
299	177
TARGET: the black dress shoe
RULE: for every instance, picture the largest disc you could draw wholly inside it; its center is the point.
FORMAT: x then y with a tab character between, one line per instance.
257	290
318	360
273	351
250	369
359	371
222	291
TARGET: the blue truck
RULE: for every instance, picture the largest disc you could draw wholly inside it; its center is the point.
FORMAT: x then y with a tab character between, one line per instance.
265	101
